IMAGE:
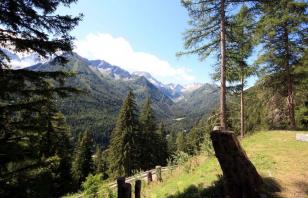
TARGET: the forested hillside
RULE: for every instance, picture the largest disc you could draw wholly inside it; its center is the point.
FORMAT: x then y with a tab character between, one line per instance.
72	122
95	108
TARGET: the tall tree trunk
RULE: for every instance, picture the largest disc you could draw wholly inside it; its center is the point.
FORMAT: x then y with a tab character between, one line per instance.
290	90
242	101
222	67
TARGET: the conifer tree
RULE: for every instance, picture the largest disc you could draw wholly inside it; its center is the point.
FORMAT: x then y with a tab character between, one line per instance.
98	162
147	119
282	32
28	167
123	152
62	148
239	49
32	140
207	35
181	142
149	138
33	26
162	144
82	160
195	138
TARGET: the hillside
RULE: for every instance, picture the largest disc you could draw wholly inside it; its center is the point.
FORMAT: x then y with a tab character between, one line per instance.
104	88
276	154
96	108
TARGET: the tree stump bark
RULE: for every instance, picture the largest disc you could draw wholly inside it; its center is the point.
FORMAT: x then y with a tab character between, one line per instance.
241	179
137	189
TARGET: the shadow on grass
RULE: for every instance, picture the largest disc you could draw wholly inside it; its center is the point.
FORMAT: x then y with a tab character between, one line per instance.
302	186
270	187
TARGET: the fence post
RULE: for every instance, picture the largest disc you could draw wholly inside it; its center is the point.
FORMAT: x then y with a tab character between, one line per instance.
149	175
121	187
158	173
128	190
137	188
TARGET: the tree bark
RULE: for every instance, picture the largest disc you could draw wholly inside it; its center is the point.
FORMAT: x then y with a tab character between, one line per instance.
290	90
222	66
242	101
240	177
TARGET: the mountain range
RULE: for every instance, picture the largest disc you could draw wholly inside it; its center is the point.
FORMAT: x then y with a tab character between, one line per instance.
105	86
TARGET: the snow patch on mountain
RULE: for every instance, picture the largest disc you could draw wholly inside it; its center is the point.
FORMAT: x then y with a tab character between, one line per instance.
108	69
22	60
150	78
192	87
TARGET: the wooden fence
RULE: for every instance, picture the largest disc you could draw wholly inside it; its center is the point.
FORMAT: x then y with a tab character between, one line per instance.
142	176
146	176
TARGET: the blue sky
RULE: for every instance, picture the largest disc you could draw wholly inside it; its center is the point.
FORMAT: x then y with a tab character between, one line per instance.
139	35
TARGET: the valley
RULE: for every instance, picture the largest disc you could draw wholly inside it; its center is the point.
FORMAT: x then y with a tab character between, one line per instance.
104	86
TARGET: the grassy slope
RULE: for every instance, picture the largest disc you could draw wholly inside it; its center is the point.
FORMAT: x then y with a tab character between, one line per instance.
275	154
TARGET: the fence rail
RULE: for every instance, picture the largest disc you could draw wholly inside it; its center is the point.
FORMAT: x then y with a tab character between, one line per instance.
140	176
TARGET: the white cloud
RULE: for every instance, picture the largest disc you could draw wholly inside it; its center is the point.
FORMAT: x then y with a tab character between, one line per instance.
118	51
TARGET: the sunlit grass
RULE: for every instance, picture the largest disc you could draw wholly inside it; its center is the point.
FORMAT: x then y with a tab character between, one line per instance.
275	154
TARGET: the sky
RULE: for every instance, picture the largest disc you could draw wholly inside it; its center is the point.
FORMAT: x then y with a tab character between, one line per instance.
138	35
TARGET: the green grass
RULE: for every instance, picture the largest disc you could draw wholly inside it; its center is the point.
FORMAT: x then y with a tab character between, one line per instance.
275	154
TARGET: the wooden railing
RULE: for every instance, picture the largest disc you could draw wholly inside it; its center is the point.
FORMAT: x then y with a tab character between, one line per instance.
141	176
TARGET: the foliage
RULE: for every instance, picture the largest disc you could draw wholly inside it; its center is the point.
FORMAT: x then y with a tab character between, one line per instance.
97	108
91	185
123	150
100	163
282	32
34	140
179	158
34	135
162	144
82	160
181	142
149	138
208	35
34	26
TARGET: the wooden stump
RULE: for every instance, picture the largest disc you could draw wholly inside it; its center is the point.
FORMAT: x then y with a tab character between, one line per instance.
149	176
137	189
241	179
158	173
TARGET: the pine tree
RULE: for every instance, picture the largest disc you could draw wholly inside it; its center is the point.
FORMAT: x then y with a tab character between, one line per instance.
163	151
208	34
148	138
31	142
33	26
195	138
282	32
82	160
98	161
28	167
181	142
239	49
147	119
123	152
62	148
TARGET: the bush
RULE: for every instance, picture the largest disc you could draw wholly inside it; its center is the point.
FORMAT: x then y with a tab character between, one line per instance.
91	185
